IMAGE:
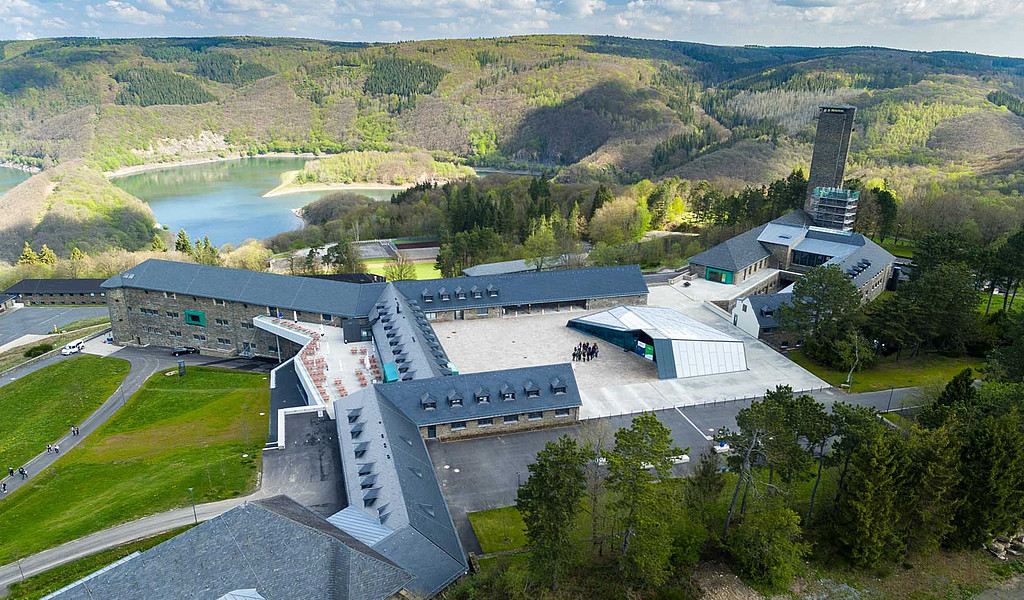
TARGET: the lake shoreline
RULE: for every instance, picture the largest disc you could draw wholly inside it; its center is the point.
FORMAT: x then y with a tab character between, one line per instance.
283	190
136	169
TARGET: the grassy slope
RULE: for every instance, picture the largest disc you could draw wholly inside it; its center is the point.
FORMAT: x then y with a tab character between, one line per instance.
37	586
174	433
926	369
39	408
16	356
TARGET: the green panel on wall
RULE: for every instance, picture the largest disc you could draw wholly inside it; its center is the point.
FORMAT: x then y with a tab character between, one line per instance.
195	317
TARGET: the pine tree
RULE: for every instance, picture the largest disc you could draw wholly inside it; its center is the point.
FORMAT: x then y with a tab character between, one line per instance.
28	256
47	256
602	196
158	243
182	243
76	254
929	497
642	454
867	524
549	502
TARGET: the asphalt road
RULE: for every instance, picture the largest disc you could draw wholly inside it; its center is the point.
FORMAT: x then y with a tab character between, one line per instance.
42	319
483	473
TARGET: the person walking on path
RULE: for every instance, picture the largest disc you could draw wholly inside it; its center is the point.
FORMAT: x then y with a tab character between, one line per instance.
10	471
49	448
56	449
23	472
3	487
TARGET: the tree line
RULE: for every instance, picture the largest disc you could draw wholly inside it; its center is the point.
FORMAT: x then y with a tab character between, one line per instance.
143	86
800	482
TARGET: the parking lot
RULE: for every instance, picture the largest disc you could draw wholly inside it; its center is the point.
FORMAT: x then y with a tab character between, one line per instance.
40	320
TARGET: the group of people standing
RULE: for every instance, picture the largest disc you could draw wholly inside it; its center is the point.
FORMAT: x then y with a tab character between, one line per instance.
584	352
50	448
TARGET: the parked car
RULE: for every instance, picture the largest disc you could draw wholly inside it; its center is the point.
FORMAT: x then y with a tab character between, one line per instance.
179	350
72	348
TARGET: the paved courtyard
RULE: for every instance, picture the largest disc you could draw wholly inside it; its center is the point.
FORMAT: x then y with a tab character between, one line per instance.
620	382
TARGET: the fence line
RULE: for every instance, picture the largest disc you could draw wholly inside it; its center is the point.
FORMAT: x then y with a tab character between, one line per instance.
705	403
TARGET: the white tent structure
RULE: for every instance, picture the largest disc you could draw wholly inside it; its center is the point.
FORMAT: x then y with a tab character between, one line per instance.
679	345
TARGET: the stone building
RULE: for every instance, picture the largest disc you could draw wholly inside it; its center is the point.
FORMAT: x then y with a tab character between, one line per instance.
831	148
58	291
166	303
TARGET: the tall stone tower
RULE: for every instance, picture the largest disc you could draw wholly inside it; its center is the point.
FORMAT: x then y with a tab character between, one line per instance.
828	164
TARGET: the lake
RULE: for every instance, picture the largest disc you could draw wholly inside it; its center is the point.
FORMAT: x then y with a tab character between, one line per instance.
224	200
11	177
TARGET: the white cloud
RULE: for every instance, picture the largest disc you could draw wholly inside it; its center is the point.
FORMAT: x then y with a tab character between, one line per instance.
391	26
584	8
122	12
355	24
55	23
21	8
158	5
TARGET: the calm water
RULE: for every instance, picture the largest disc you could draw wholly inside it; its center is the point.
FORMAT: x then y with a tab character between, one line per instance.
10	178
224	200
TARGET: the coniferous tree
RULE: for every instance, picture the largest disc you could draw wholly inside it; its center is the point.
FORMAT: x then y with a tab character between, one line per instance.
28	256
642	454
47	256
929	497
158	243
867	525
549	501
182	243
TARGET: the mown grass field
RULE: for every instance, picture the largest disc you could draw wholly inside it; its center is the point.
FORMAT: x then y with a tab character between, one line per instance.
173	434
39	408
903	249
424	270
926	369
499	529
40	585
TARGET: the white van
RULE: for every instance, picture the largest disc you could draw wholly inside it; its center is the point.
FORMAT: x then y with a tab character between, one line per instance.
73	348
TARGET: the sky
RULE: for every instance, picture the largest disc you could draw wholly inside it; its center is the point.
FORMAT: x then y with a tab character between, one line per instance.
985	26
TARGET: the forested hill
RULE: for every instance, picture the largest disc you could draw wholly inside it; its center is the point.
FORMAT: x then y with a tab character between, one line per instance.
595	108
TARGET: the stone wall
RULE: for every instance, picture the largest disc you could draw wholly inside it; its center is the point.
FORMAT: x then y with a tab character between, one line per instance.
80	299
637	300
228	324
444	431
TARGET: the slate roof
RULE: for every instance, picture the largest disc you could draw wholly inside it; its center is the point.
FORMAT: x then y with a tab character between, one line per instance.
766	308
357	300
511	266
56	286
390	479
409	396
250	287
403	335
734	254
242	550
867	262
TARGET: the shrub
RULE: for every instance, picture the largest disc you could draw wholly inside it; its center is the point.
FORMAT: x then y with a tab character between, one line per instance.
38	350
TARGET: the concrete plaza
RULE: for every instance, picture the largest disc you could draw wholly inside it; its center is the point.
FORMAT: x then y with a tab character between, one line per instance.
620	382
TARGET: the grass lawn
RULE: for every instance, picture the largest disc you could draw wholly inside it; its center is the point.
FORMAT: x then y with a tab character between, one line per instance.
173	434
424	270
40	585
925	369
83	323
903	250
499	529
39	408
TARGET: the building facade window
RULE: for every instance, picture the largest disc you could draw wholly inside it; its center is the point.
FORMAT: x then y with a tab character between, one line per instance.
174	333
169	295
484	423
458	425
224	341
481	312
247	325
217	302
535	416
222	322
195	317
511	418
533	393
172	314
561	412
199	337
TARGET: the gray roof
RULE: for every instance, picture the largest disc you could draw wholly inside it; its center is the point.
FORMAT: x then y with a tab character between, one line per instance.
403	335
250	287
411	396
865	263
357	300
390	479
766	307
734	254
511	266
243	550
656	322
56	286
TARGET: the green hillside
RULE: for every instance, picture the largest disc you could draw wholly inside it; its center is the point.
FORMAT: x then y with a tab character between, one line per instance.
606	109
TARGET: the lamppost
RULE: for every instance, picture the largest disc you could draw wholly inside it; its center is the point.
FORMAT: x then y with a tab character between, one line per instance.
889	403
193	497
